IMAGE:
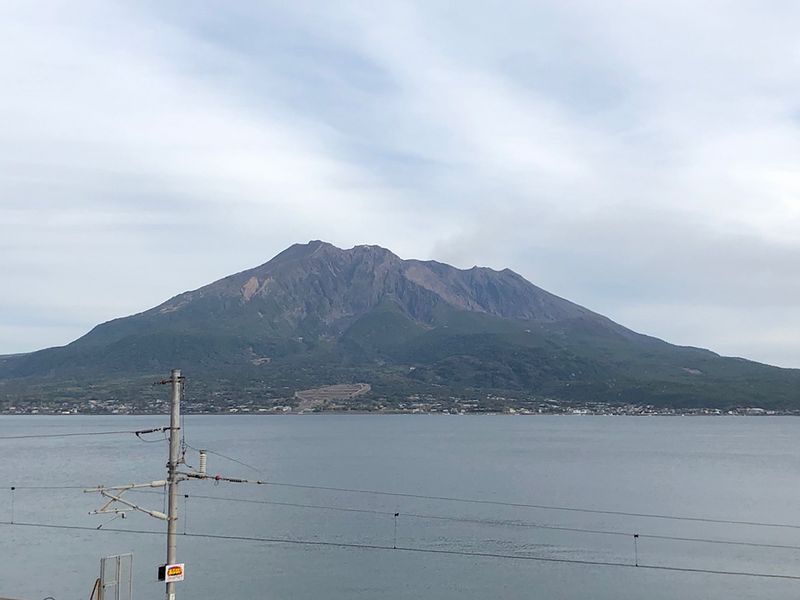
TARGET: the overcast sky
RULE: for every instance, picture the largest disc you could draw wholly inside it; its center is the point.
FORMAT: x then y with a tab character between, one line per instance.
639	158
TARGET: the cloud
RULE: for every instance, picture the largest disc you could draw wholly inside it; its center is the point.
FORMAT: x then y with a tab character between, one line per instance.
639	158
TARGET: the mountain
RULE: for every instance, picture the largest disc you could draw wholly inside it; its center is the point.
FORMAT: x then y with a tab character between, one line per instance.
316	314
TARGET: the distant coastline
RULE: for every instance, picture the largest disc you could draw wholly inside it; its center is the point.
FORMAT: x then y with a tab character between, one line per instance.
609	412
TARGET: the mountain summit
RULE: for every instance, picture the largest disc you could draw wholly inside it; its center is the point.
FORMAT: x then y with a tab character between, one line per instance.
318	285
318	314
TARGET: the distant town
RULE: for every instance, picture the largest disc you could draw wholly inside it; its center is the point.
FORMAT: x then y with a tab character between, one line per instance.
356	398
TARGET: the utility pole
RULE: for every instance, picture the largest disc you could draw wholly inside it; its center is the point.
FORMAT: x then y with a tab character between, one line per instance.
172	476
118	506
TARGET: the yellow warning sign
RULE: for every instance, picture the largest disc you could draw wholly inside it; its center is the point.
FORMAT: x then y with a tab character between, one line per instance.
174	573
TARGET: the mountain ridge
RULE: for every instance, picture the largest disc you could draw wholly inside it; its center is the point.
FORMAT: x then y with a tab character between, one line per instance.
318	314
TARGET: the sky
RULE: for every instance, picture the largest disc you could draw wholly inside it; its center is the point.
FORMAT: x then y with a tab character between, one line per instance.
639	158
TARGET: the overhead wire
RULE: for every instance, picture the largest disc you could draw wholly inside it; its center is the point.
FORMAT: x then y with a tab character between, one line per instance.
81	433
486	501
138	433
421	496
50	487
183	446
414	515
165	438
495	523
409	549
395	514
480	501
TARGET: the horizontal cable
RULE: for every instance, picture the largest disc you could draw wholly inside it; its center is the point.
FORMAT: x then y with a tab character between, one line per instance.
495	523
442	552
81	434
594	511
490	502
49	487
469	501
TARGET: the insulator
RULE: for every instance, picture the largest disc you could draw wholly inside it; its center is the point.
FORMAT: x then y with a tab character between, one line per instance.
202	468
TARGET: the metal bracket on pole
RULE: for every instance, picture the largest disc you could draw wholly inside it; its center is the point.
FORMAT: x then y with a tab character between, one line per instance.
114	495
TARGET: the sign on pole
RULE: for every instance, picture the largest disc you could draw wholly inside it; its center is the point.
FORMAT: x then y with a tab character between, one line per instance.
171	573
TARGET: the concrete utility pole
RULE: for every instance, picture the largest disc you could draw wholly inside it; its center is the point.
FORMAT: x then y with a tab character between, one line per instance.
115	504
172	476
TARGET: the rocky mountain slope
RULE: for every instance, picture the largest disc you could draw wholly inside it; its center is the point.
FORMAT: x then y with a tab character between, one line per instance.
316	314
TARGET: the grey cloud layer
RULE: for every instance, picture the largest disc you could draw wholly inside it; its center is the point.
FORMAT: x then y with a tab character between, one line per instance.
639	158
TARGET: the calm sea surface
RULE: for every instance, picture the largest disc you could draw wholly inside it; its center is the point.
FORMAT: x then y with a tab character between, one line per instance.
745	469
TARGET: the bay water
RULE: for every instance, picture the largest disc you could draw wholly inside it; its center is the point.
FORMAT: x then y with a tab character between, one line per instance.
715	468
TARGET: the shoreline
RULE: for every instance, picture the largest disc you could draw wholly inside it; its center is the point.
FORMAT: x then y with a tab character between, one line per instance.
402	413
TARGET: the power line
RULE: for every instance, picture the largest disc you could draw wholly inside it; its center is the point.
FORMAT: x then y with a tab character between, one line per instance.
442	498
497	523
437	551
165	437
81	433
535	506
596	511
490	522
489	502
50	487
